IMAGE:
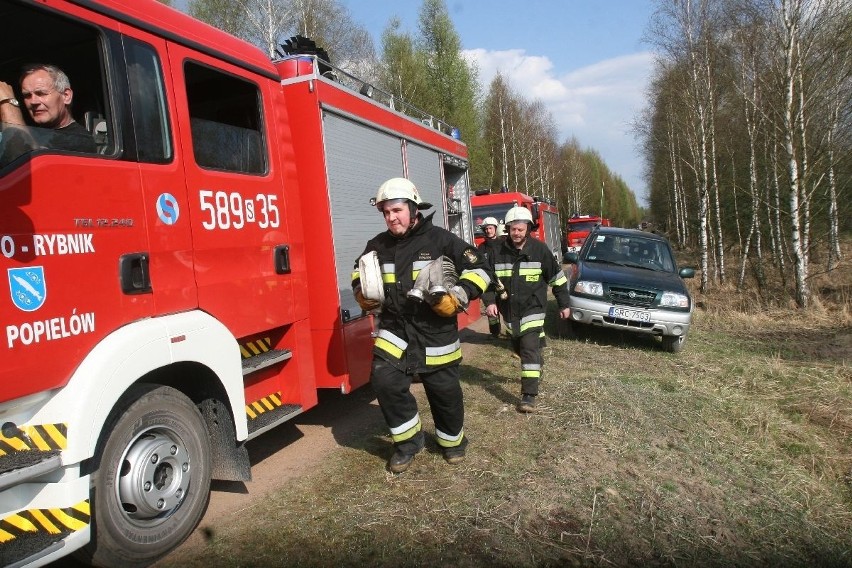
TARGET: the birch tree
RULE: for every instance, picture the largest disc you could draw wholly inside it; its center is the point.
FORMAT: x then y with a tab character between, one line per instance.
749	51
683	29
403	67
770	83
791	19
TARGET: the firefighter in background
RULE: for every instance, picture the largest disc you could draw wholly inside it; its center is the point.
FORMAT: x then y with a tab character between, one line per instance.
525	267
414	337
488	248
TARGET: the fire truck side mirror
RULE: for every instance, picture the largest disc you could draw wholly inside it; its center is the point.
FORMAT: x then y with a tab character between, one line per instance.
534	210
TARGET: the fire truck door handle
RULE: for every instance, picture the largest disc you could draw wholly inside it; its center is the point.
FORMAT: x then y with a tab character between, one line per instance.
133	273
282	259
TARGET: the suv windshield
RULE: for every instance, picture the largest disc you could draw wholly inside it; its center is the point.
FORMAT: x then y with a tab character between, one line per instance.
629	250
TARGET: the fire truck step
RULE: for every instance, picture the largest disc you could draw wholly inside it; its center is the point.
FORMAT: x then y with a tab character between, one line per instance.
272	418
22	466
264	360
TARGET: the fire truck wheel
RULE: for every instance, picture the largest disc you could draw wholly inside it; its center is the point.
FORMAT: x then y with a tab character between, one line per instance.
152	482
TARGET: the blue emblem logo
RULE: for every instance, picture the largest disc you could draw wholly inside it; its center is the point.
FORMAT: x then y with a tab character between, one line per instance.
168	208
27	287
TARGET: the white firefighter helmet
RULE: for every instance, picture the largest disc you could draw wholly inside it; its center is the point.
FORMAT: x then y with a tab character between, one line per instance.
489	221
518	213
399	188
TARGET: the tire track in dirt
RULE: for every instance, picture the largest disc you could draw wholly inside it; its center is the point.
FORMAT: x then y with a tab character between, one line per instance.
290	451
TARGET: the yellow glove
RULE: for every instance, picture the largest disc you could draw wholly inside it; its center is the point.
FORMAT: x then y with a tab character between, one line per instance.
451	303
366	305
447	306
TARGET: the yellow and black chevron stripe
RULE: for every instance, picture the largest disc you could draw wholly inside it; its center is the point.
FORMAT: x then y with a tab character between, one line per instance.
43	437
56	522
256	347
267	403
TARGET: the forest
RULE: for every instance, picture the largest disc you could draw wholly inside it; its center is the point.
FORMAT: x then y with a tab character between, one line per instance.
745	136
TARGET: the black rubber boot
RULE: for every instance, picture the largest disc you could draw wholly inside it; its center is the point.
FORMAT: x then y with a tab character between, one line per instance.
404	454
527	403
399	462
454	456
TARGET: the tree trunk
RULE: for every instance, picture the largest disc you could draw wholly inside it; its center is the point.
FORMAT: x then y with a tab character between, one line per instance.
791	13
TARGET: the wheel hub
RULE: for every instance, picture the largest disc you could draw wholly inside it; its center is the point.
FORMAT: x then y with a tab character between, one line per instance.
154	476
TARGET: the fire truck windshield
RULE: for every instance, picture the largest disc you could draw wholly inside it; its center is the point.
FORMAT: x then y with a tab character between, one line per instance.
582	226
480	212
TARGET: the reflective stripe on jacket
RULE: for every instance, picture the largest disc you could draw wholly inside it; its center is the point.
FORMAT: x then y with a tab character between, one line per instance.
410	335
526	274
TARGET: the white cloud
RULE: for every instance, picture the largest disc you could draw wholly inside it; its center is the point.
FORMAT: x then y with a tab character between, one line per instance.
596	104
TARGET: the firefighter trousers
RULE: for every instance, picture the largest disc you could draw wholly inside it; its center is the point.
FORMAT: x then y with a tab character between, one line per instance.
399	407
528	347
494	326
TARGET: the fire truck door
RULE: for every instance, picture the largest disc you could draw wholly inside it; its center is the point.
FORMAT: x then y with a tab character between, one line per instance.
68	225
162	178
236	200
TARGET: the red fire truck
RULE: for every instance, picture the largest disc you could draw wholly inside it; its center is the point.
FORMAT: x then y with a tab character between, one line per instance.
185	287
579	227
544	213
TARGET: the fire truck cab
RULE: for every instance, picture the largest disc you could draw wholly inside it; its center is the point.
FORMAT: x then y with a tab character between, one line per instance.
182	285
579	227
544	212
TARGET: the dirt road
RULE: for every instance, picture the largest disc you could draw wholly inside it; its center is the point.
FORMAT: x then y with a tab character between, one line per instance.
289	452
286	453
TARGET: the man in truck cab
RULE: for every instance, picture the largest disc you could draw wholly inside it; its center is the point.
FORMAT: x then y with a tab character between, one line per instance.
526	267
418	337
46	95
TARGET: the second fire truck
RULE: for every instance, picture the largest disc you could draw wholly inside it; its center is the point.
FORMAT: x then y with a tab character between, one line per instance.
546	227
579	227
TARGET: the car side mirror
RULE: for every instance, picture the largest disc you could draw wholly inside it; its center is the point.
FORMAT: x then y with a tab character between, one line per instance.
571	258
687	272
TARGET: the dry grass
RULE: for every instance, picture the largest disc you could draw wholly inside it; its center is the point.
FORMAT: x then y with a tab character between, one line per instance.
735	452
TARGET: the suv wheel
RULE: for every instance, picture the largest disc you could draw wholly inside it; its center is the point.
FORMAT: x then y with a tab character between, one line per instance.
579	331
673	343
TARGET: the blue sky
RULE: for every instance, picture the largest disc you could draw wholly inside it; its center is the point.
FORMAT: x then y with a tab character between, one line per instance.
584	59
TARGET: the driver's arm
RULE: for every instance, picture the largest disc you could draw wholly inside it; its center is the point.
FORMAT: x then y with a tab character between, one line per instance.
9	112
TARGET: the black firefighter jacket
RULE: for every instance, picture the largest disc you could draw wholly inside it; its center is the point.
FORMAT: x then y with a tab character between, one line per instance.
526	274
411	336
489	247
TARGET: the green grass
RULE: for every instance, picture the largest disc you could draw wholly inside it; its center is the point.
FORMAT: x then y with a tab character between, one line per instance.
735	452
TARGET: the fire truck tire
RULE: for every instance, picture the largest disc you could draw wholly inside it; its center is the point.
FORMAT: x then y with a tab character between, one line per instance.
152	483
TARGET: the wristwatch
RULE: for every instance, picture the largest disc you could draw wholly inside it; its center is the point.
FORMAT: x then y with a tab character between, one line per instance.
13	101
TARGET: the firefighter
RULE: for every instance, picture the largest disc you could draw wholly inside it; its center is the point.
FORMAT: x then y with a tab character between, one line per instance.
525	267
414	337
487	248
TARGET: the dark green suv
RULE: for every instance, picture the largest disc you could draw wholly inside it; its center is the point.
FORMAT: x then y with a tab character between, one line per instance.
628	280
